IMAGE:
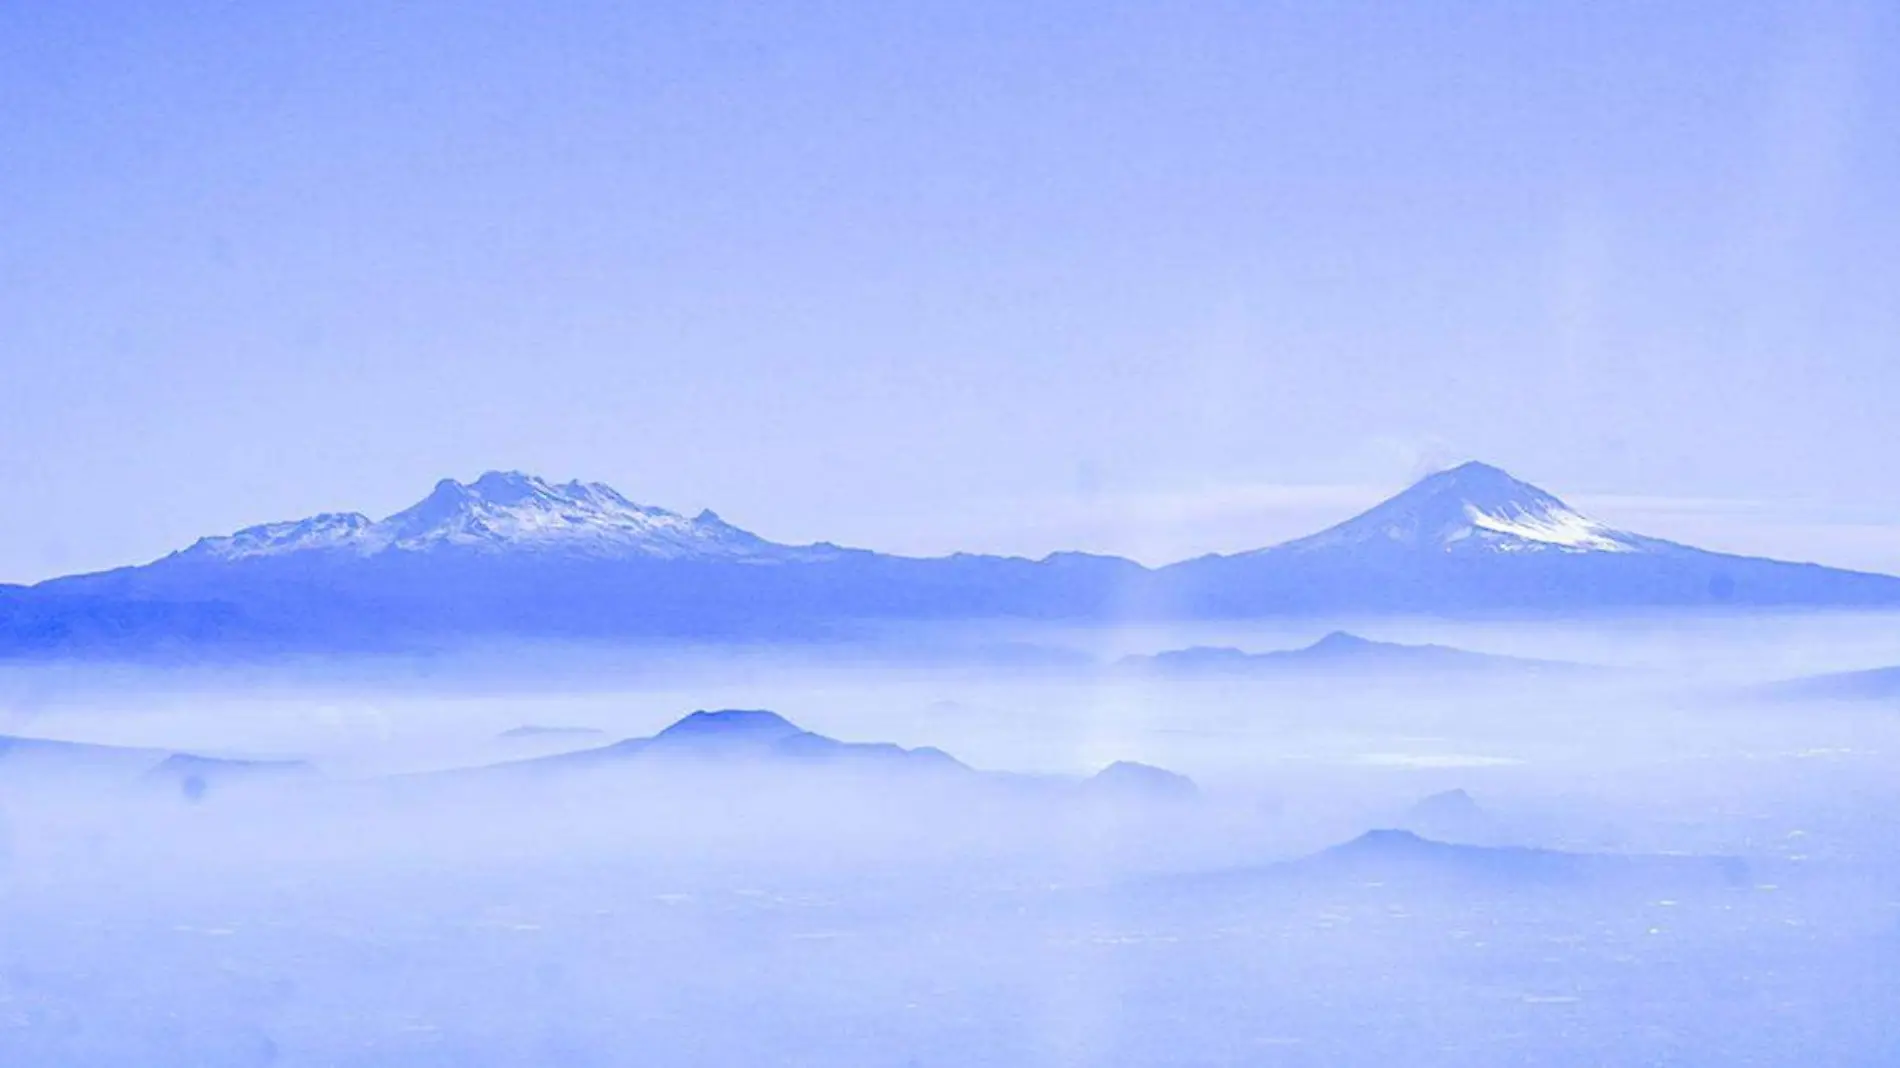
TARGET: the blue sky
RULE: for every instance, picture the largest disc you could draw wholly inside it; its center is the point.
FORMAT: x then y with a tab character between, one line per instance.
1148	278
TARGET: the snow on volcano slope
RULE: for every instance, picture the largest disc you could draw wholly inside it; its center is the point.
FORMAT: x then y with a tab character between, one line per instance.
1475	508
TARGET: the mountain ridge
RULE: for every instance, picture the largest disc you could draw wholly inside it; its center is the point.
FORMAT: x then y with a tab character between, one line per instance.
512	555
503	510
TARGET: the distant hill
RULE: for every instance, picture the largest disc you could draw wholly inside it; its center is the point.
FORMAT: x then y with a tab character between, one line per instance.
1336	653
1126	780
1400	855
512	556
1451	816
530	731
1406	864
741	737
754	739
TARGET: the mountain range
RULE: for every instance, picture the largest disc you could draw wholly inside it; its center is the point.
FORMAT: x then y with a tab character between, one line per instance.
514	556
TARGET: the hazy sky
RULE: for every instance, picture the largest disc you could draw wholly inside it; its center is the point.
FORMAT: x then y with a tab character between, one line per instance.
1154	278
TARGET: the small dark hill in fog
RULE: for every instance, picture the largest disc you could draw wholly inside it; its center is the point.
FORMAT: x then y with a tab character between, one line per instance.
1336	653
741	739
1446	805
731	727
749	737
1388	853
1401	856
1450	815
530	731
1126	780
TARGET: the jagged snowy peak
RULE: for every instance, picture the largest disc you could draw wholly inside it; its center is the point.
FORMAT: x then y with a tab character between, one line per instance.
1475	508
501	510
330	530
508	511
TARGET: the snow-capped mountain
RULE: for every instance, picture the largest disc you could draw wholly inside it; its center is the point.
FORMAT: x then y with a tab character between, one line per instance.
507	511
1475	539
1475	508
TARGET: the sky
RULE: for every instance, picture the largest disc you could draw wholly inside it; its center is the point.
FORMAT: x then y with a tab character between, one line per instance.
1158	279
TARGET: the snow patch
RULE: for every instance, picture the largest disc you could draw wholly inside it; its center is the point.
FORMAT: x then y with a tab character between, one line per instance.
1559	527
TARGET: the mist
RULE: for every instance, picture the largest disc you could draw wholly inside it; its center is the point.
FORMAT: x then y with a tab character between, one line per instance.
1629	851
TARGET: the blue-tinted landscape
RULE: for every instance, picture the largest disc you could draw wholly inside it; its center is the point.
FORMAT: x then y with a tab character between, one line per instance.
1064	535
349	791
